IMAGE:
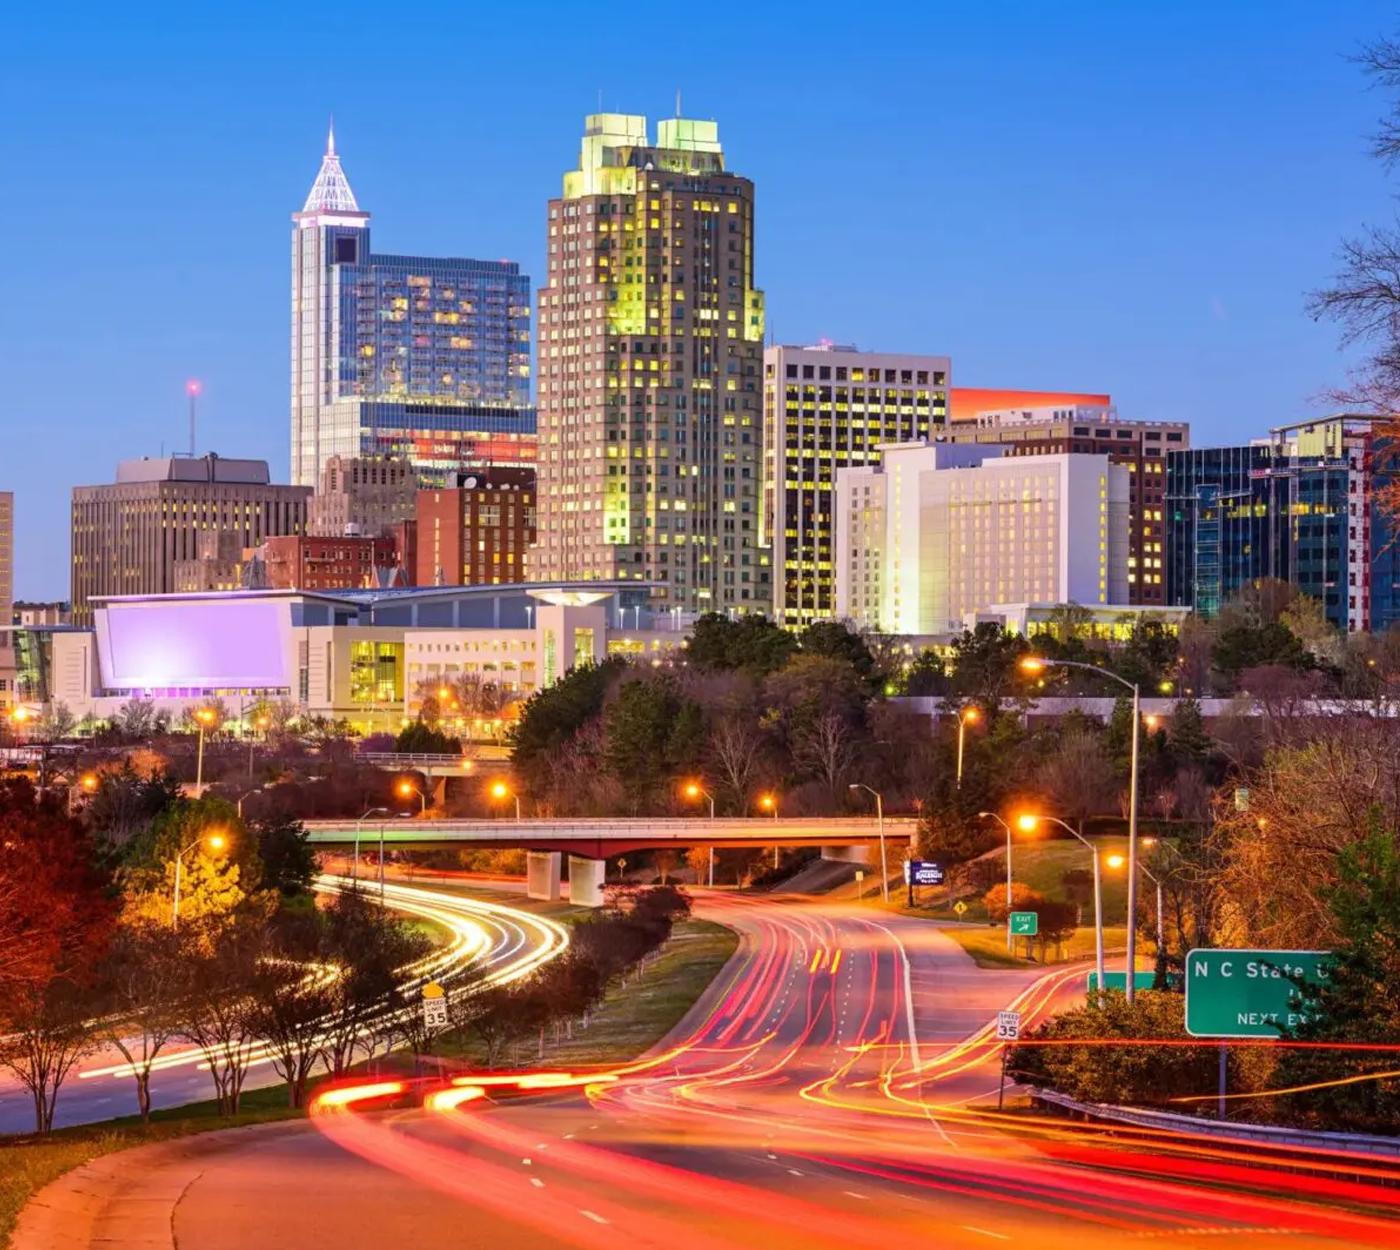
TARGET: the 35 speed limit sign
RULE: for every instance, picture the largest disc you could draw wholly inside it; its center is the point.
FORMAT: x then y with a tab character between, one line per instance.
1008	1026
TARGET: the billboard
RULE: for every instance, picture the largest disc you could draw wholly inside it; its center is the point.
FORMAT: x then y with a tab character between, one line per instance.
191	645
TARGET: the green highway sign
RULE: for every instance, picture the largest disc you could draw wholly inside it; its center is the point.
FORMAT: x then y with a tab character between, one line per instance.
1119	981
1248	993
1025	923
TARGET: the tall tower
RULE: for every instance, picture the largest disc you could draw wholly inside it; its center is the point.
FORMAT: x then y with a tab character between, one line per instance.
651	342
330	232
425	359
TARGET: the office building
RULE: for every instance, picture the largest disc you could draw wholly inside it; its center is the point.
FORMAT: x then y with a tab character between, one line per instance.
1299	506
827	408
362	495
937	533
7	597
477	533
423	358
1091	429
220	562
349	562
127	537
965	402
651	338
36	615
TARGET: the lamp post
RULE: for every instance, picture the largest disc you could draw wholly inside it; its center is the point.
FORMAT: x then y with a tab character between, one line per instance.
695	790
406	787
373	811
1028	824
216	843
1034	665
880	819
205	717
501	791
1007	827
770	804
384	812
965	718
1117	861
260	723
241	797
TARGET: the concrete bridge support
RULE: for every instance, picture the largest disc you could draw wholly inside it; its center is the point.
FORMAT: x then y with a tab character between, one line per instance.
542	875
439	792
847	854
586	881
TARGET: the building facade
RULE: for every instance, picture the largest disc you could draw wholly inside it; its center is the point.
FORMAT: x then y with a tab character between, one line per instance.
651	338
423	358
127	537
1300	506
296	562
366	495
936	533
1082	429
478	533
828	408
965	402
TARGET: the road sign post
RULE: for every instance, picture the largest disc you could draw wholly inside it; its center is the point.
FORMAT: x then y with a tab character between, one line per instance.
434	1007
921	872
1249	993
1008	1030
860	886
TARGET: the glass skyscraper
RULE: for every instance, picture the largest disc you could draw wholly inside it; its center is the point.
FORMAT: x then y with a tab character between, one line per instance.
425	358
1300	506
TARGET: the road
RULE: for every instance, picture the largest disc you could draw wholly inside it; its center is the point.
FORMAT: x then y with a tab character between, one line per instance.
834	1088
504	941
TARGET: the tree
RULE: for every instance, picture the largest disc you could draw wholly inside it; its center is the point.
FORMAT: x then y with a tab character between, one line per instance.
56	722
752	642
985	665
288	859
420	738
219	1013
127	801
287	1010
837	641
148	980
1023	898
825	745
218	864
1306	619
551	717
652	733
734	749
49	1029
136	718
926	675
1079	776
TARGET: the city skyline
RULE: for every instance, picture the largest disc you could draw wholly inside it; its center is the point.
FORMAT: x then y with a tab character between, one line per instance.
1150	269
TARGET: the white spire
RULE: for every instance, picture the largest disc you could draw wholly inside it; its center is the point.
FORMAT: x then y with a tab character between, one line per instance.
331	193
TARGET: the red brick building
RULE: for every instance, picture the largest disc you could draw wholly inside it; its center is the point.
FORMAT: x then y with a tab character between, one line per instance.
477	533
297	562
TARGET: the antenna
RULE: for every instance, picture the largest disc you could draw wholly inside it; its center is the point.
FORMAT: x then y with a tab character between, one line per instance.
678	101
600	99
192	389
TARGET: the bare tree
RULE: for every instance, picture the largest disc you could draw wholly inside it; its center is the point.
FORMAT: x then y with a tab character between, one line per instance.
288	1011
148	978
734	743
49	1030
219	1015
1079	776
827	746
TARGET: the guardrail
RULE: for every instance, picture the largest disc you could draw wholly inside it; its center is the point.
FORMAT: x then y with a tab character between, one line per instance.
1261	1134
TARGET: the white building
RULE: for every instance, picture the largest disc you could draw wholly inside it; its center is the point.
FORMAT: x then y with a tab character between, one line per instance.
938	532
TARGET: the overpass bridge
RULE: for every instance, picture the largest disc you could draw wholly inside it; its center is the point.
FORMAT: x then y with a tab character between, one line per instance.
589	842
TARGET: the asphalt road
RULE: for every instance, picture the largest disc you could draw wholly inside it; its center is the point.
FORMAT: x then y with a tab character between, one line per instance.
832	1089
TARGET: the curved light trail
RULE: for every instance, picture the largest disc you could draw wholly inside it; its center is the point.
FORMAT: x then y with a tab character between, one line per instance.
799	1106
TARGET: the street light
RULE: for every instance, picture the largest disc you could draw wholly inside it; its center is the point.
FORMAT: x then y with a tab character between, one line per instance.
217	841
373	811
205	716
880	817
502	791
965	718
1004	825
406	787
1027	824
1032	664
244	795
695	790
1117	861
770	804
260	723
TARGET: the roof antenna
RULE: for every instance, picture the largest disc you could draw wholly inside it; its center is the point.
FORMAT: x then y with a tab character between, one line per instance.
678	101
600	99
330	138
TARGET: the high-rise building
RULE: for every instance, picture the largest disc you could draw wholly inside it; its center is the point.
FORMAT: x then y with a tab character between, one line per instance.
302	562
478	533
936	533
1300	506
1091	429
7	597
651	336
965	402
128	536
423	358
364	495
828	408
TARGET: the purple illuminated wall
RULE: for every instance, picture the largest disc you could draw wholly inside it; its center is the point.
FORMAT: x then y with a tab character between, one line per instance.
223	644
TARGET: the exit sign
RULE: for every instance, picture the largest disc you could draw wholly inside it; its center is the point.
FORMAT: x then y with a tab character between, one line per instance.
1249	993
1025	923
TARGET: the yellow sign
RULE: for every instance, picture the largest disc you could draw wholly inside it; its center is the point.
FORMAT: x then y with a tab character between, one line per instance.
960	907
432	990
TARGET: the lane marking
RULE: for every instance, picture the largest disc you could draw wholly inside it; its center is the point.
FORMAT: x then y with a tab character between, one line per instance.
794	1172
526	1162
851	1193
597	1219
986	1232
536	1182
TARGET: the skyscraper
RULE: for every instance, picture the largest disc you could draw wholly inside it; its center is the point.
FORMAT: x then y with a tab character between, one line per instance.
425	358
651	338
827	408
7	597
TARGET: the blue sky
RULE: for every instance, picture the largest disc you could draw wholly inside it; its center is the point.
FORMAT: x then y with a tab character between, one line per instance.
1116	197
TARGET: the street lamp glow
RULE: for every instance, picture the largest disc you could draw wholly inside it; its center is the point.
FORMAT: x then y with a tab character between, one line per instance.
443	692
205	716
1027	823
1115	860
692	791
405	788
89	782
969	714
1032	664
500	790
216	841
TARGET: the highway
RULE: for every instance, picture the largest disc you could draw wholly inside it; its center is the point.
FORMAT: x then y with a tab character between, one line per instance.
504	941
835	1087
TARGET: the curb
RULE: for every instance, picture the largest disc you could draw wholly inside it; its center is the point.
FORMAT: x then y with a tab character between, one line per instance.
126	1200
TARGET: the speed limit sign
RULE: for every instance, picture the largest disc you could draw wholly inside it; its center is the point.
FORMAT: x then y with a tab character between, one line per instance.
1008	1026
